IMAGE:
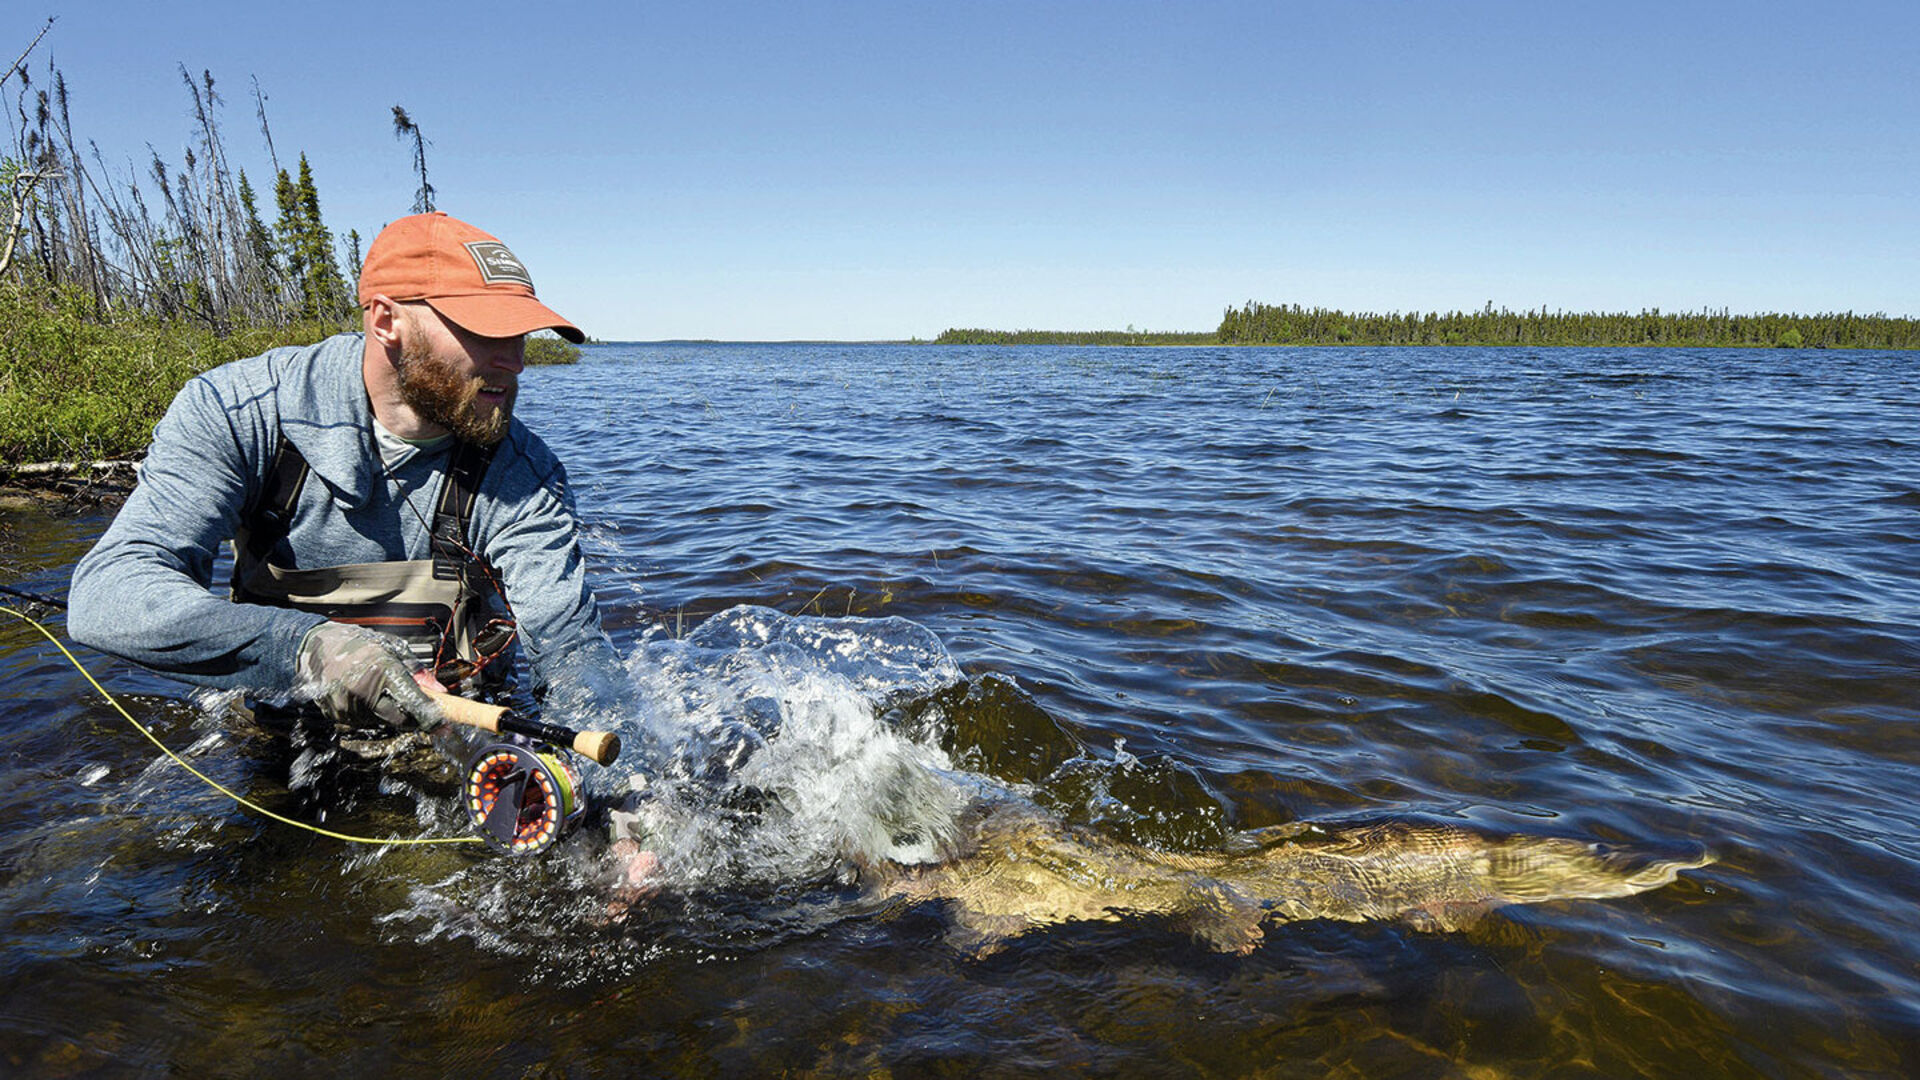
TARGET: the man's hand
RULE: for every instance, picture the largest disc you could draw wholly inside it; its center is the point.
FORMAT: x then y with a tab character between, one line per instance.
636	874
354	674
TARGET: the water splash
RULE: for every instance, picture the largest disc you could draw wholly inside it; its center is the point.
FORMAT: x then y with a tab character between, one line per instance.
764	758
760	763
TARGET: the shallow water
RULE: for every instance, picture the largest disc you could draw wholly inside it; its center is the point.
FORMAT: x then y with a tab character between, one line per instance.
1665	597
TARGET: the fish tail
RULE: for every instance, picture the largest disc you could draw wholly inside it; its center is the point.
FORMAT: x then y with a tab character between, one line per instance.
1531	870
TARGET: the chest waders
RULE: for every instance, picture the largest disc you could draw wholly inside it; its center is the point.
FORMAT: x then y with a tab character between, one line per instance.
520	795
436	605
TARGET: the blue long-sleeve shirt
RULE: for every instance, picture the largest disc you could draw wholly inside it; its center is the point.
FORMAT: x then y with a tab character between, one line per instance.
144	592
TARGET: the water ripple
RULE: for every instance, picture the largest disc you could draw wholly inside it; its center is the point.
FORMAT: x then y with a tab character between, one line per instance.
1628	595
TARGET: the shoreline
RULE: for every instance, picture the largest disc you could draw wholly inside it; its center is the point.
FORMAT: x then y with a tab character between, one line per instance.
74	484
1088	344
110	480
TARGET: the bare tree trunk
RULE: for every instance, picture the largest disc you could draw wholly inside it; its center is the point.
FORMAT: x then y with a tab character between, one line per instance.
20	64
23	182
74	189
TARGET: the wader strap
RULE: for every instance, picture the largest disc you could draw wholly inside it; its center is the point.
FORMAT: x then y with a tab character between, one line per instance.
454	513
272	517
435	604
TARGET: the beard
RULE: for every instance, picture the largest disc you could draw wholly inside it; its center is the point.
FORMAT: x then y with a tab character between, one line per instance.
449	400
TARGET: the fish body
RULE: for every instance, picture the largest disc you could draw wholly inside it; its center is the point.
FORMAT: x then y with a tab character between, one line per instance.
1023	869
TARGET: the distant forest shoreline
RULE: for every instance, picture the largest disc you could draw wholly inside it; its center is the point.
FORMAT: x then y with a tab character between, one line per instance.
1291	324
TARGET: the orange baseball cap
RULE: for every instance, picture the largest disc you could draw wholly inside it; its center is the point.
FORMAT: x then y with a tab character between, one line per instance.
466	274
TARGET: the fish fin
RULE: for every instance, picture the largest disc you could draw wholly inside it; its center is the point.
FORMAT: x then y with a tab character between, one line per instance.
1659	872
1447	916
980	936
1250	841
1224	918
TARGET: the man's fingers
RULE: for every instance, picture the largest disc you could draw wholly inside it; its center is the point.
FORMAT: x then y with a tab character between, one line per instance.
405	695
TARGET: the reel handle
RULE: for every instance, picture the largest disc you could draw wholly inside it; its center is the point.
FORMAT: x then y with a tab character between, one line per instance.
599	747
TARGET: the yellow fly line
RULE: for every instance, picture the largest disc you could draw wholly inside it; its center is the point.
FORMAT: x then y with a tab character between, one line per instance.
215	784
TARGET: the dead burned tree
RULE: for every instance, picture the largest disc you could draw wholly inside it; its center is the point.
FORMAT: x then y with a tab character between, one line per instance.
20	185
404	127
86	252
185	242
20	65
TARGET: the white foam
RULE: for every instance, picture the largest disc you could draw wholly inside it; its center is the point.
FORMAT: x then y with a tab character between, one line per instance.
765	755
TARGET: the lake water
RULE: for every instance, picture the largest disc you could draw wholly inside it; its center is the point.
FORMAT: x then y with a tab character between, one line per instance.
1662	597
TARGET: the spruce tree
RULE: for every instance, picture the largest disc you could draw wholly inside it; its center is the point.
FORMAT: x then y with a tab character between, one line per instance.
287	230
323	291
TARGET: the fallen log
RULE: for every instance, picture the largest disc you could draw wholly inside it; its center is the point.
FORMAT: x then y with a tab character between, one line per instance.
65	468
86	483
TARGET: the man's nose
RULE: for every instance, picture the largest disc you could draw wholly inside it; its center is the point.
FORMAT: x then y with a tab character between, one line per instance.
508	354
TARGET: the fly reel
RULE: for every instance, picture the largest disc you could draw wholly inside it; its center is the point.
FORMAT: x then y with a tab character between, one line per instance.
523	796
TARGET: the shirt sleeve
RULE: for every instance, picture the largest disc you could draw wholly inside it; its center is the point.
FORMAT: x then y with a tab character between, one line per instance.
144	593
534	544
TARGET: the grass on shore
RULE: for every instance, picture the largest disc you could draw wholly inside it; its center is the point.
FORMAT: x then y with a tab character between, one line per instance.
75	389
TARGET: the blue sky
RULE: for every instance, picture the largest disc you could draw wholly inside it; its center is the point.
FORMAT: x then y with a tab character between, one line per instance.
890	169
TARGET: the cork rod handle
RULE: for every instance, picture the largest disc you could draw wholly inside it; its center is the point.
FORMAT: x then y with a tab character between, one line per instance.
599	747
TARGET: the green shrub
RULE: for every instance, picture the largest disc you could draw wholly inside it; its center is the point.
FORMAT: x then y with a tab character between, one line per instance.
546	347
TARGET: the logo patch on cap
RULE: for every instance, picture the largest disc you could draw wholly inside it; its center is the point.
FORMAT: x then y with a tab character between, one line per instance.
497	264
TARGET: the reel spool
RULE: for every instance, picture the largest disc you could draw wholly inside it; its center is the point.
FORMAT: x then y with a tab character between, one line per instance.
523	797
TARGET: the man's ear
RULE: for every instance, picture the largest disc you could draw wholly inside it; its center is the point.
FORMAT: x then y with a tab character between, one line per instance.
382	321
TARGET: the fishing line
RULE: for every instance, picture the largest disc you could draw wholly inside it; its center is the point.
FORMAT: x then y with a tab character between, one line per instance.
215	784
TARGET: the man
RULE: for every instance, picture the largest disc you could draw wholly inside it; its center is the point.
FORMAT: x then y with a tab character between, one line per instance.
394	526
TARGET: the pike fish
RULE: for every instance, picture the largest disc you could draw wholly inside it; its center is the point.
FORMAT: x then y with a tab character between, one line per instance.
1022	869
